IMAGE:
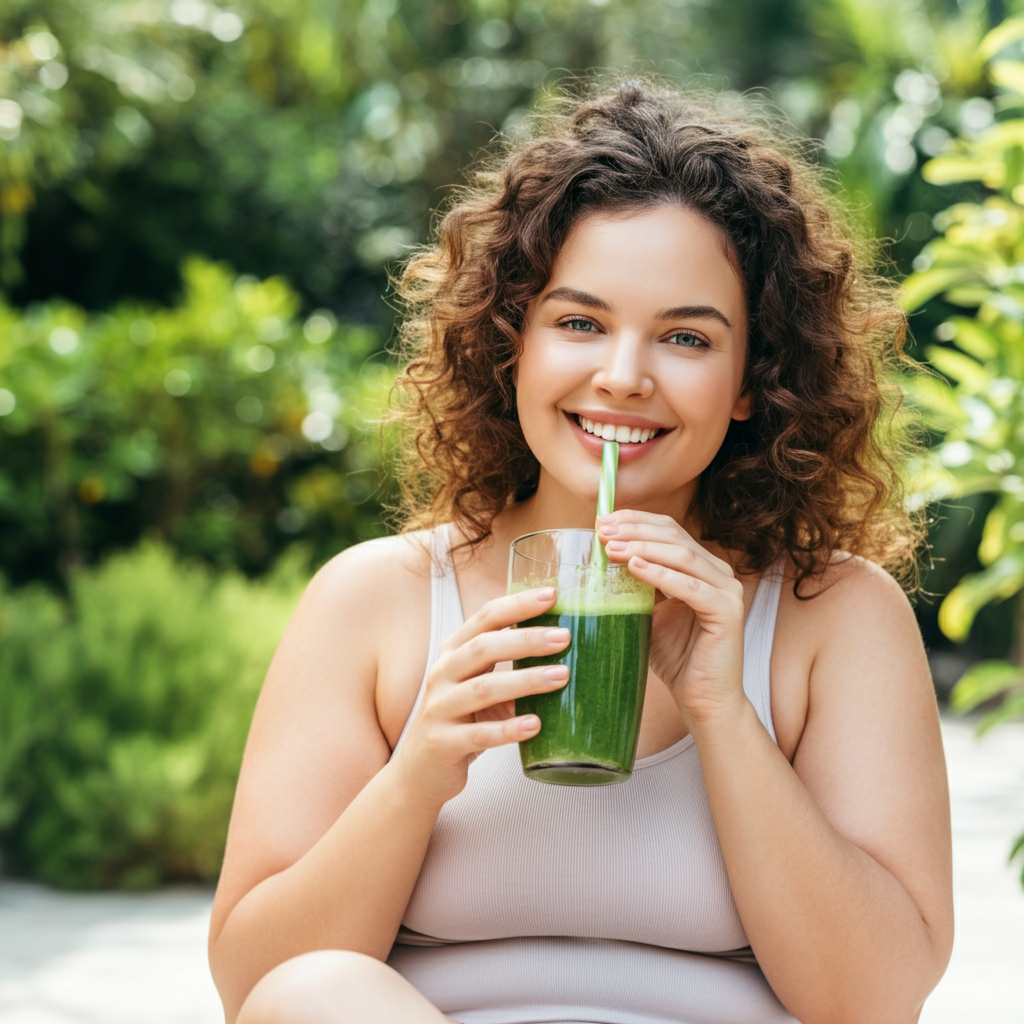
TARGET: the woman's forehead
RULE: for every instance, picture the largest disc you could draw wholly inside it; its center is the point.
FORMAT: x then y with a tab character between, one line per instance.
668	254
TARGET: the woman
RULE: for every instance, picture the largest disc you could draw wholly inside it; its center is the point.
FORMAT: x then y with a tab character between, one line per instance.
782	851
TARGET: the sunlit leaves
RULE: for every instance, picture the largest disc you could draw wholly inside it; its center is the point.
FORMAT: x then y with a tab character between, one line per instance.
978	263
197	420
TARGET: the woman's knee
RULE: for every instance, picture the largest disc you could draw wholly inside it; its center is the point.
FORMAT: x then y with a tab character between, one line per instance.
330	986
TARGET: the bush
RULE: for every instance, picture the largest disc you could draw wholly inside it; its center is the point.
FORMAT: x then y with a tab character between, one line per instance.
976	408
123	716
225	426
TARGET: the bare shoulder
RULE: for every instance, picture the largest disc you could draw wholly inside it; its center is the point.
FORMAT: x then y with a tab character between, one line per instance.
871	715
851	577
853	603
373	575
870	747
839	632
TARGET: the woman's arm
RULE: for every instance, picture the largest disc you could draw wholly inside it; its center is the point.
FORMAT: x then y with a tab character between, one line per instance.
840	862
327	834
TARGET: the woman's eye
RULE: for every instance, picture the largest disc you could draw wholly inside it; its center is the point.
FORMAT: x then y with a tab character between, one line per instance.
687	340
579	324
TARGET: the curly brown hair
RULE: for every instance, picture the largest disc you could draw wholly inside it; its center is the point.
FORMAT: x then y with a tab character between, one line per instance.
815	470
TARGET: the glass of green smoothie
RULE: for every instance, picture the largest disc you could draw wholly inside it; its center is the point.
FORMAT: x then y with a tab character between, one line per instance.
589	728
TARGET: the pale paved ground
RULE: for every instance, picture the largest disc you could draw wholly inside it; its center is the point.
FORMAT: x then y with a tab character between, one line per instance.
123	959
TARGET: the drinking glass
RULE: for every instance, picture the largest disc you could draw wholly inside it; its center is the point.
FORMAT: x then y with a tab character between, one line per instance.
589	728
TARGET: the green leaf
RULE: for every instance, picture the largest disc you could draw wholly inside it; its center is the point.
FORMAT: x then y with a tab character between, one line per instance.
1010	75
1008	710
982	682
1018	846
945	170
936	396
1003	578
974	295
993	536
1014	158
972	480
960	367
975	338
926	284
1000	37
1016	851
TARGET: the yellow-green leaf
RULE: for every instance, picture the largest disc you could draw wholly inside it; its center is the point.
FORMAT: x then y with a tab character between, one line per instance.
926	284
975	339
1001	579
1001	36
959	367
982	682
936	396
944	170
1009	74
993	536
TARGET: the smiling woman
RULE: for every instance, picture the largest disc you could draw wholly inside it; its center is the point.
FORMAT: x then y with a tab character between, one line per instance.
816	465
648	269
643	328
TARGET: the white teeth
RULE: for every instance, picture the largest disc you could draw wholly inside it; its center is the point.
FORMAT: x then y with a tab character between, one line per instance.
609	432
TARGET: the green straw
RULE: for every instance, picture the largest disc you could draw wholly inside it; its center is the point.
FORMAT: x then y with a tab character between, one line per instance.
605	497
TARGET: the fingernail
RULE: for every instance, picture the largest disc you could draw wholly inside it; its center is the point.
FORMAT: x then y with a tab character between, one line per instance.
556	673
609	529
545	593
640	563
609	518
556	636
529	723
616	546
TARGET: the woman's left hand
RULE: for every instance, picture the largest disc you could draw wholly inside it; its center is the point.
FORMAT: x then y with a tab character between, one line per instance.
697	635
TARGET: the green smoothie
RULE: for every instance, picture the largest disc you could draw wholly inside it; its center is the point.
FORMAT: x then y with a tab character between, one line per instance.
589	728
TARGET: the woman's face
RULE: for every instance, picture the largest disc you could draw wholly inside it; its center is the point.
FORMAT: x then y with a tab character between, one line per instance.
641	331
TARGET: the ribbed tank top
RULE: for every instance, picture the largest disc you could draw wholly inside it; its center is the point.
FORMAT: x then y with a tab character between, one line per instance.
584	905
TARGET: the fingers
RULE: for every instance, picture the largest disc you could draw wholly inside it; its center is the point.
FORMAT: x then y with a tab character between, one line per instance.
682	558
660	552
479	736
627	526
482	692
501	613
718	601
482	652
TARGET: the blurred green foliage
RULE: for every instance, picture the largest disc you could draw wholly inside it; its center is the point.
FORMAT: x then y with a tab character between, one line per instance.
123	715
151	152
225	425
975	403
310	140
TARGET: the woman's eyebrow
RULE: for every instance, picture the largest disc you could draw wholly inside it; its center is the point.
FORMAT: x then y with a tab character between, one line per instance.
575	295
674	313
693	313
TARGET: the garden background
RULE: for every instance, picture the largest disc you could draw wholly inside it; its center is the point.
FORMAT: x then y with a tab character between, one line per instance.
199	206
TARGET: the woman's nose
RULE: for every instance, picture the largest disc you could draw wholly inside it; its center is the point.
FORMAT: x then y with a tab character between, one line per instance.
624	372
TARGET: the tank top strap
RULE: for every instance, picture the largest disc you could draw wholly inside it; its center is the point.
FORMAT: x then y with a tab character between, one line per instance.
445	606
757	644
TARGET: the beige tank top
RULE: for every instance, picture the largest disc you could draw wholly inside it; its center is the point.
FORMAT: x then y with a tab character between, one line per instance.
584	905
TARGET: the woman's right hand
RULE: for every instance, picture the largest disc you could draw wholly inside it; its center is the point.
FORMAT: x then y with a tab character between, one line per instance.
467	707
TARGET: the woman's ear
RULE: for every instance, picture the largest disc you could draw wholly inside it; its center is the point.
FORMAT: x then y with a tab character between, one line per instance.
744	407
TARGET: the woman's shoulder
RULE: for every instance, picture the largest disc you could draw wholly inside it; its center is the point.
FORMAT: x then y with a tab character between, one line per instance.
850	631
849	581
382	570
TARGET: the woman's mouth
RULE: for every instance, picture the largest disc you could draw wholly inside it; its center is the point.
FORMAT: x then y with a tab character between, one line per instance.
622	434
